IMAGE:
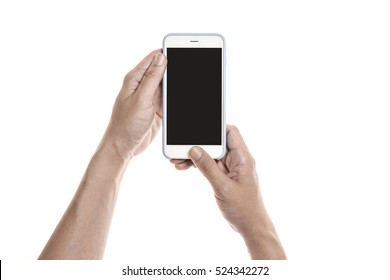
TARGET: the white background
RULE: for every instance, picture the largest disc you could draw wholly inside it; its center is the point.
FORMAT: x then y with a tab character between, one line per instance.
307	84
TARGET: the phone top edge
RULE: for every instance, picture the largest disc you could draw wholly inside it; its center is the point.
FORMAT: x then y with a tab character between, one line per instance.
194	35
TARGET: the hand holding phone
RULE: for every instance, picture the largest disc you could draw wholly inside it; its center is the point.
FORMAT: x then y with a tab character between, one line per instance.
194	95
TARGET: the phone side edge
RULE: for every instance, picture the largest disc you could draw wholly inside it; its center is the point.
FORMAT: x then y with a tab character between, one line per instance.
164	97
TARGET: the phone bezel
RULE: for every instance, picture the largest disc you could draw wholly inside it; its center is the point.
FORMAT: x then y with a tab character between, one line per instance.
194	40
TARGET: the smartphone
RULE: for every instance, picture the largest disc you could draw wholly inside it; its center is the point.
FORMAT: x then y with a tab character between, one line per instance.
194	95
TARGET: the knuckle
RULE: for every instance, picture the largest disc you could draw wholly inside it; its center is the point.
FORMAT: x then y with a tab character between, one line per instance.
128	77
131	81
253	161
151	73
234	128
132	77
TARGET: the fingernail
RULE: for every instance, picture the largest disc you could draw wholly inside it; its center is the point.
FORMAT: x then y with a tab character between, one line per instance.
195	153
159	59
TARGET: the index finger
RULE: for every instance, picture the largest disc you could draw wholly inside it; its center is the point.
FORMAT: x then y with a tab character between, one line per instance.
134	77
234	139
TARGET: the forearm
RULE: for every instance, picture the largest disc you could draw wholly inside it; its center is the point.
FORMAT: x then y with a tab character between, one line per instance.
263	242
83	230
266	246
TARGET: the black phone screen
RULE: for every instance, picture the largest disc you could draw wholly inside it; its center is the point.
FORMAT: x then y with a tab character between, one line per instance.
194	96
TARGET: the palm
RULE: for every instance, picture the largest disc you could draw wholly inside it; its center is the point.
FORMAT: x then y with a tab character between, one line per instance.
149	136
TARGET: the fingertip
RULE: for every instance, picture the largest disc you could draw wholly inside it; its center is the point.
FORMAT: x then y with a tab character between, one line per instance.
183	166
159	59
195	153
176	161
232	129
178	167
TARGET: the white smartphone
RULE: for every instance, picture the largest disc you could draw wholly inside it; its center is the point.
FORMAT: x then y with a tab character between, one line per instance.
194	95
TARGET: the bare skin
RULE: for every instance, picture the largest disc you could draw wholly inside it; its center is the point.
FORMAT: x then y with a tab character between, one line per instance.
136	118
236	189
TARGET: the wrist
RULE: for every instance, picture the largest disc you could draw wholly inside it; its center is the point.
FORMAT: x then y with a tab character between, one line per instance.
105	169
115	149
263	243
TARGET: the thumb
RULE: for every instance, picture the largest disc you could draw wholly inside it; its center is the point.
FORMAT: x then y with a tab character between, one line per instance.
209	168
152	77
